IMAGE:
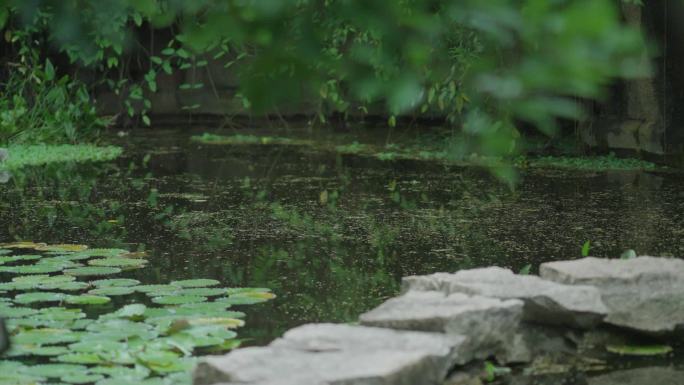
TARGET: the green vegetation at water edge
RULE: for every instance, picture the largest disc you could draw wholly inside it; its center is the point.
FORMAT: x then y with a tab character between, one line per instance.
84	337
40	154
588	163
438	152
238	139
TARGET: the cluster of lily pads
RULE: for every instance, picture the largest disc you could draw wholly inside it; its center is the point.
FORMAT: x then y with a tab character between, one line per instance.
48	297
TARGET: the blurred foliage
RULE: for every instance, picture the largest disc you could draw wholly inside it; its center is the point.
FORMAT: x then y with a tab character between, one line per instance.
36	104
484	65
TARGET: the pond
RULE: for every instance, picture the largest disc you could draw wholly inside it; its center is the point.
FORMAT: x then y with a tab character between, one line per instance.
331	234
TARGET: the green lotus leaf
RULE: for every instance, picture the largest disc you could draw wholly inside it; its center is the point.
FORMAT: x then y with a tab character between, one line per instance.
59	261
28	298
37	350
97	346
196	283
132	311
87	299
116	282
646	350
60	314
66	286
202	291
57	370
238	290
81	324
127	327
16	312
81	378
80	358
112	291
123	373
15	378
118	262
44	337
101	252
247	298
15	286
5	251
220	321
178	299
162	361
32	323
31	269
43	279
156	290
92	270
190	342
15	258
69	248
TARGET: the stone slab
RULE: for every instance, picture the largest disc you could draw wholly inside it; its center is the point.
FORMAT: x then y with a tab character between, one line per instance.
545	302
644	294
488	323
334	354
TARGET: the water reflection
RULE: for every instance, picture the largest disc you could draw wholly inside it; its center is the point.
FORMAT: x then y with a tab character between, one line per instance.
330	234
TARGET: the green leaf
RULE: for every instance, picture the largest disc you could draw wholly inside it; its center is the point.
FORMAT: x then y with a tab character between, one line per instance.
586	248
118	262
178	299
29	298
87	299
49	70
116	282
196	283
45	336
92	270
113	290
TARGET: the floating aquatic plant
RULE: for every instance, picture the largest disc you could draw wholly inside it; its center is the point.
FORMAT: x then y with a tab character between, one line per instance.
49	296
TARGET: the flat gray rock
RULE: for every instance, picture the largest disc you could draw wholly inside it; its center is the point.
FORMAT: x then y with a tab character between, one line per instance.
644	294
488	323
334	354
545	302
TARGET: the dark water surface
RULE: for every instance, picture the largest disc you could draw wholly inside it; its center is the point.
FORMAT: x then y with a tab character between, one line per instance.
330	234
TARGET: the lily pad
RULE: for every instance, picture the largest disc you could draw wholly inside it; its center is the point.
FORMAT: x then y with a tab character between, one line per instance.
22	245
37	350
248	298
46	336
202	291
102	252
57	370
17	312
43	279
81	378
118	262
62	247
196	283
133	310
156	290
28	298
80	358
634	350
92	270
65	286
116	282
87	299
32	269
113	290
178	299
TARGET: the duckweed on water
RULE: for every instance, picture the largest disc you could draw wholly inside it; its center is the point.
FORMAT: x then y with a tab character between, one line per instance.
137	343
36	155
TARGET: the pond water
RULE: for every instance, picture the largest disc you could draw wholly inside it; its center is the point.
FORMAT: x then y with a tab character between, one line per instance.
330	234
